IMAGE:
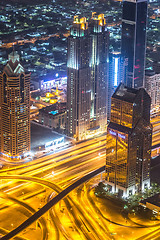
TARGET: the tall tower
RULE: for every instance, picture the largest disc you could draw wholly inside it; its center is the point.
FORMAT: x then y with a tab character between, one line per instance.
134	20
98	62
117	75
78	83
14	109
87	77
129	140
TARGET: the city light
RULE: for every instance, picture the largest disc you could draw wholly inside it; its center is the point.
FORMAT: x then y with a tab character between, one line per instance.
116	71
79	120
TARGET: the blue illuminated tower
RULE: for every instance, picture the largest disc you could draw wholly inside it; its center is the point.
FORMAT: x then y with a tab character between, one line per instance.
134	21
117	75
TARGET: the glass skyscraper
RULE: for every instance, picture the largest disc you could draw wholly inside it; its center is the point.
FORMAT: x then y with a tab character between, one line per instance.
134	20
129	139
117	75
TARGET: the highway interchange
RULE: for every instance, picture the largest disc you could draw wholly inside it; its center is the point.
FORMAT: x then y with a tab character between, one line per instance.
80	215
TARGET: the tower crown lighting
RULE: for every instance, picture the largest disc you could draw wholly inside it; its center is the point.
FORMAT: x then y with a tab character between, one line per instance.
82	22
13	67
79	20
13	56
100	18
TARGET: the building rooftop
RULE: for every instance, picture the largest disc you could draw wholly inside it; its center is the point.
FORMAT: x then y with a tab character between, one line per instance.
125	93
119	128
41	135
54	109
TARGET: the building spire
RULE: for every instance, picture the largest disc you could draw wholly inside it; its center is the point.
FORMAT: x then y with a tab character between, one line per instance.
13	49
13	67
13	56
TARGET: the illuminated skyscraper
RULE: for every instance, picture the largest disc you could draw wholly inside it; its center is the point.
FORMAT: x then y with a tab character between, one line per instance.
117	75
98	62
129	139
78	84
14	109
87	77
134	40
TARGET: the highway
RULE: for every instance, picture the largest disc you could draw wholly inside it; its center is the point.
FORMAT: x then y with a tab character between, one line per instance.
26	188
62	167
51	203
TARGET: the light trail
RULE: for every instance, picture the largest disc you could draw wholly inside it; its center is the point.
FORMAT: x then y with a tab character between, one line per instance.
68	166
43	161
50	204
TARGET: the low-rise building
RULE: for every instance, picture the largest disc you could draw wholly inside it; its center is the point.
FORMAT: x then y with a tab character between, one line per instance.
43	138
53	117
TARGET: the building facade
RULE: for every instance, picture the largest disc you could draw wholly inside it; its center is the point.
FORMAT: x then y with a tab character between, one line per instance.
78	84
14	109
98	63
53	117
133	47
87	69
117	74
152	86
129	139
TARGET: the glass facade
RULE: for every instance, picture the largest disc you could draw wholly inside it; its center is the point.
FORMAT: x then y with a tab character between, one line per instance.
134	40
129	138
121	113
117	155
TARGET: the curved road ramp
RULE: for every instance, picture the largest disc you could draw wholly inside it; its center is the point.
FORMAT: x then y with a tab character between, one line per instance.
51	203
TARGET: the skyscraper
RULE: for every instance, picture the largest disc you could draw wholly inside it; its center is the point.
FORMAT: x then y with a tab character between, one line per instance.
117	75
87	77
14	109
98	62
129	139
134	21
78	83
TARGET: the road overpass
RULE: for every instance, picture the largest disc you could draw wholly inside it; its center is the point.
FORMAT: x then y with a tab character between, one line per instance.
51	203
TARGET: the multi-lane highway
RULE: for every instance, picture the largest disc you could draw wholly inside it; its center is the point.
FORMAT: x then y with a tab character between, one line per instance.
81	215
61	169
